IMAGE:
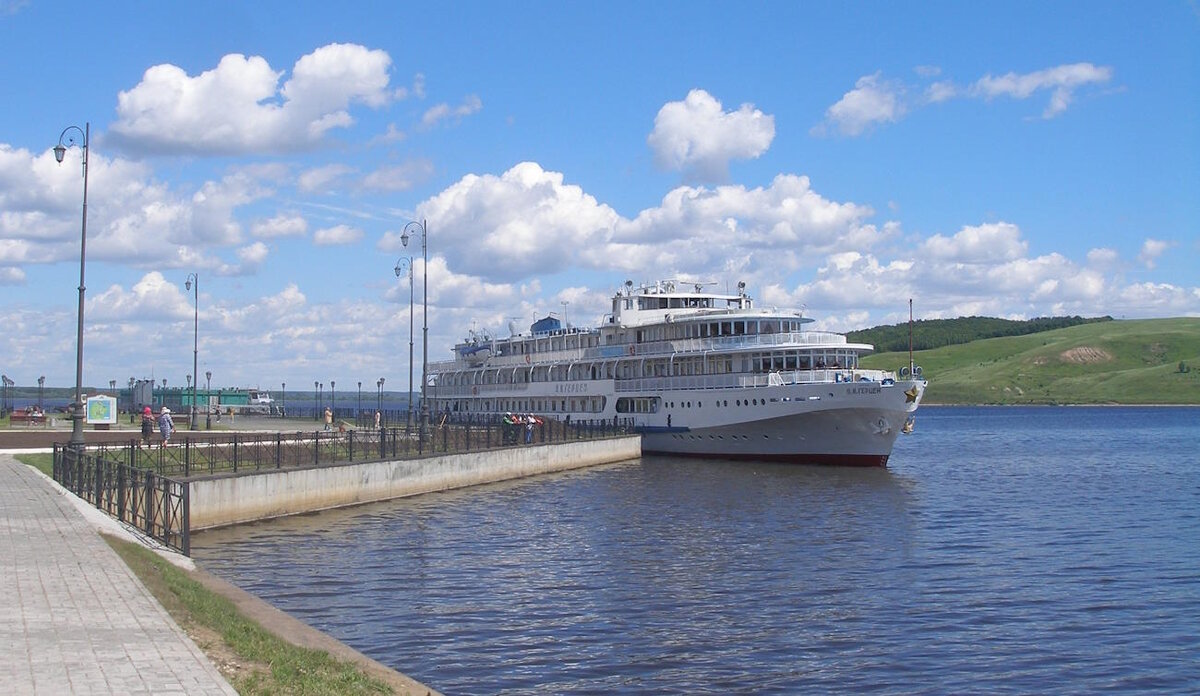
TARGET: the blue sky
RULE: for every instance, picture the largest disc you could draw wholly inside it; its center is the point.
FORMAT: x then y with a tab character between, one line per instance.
1001	159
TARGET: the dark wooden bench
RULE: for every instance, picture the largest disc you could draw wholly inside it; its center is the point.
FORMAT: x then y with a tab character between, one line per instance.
24	416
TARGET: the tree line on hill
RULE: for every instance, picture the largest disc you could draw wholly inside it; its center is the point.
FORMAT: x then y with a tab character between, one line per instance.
935	333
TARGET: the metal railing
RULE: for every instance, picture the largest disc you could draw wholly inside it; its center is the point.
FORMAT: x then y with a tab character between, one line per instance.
241	452
148	486
152	503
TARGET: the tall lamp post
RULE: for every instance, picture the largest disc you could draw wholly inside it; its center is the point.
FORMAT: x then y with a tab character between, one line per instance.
404	236
207	396
283	395
332	399
317	393
41	383
379	396
193	283
358	409
401	265
60	151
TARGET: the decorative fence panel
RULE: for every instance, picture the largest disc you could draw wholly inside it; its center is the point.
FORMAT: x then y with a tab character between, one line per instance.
154	504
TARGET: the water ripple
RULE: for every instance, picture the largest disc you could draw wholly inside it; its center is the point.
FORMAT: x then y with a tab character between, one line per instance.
1002	552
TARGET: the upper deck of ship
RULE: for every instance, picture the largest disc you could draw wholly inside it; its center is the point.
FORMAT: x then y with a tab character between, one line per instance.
653	319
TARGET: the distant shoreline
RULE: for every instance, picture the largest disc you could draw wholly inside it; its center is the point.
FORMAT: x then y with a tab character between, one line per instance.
926	404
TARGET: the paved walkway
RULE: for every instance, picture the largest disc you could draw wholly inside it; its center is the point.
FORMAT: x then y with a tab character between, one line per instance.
74	619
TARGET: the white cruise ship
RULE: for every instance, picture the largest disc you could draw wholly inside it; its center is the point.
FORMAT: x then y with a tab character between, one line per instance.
696	373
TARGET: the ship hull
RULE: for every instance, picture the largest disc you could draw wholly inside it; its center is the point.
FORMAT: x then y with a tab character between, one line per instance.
841	437
843	424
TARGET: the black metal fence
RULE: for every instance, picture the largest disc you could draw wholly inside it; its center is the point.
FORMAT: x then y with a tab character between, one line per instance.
147	486
236	452
154	504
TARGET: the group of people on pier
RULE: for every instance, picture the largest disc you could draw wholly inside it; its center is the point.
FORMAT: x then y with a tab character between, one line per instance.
514	423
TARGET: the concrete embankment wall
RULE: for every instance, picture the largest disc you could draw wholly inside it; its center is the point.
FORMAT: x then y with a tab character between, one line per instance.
218	502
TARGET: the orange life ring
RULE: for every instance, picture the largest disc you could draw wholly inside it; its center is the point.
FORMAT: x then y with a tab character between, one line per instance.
527	359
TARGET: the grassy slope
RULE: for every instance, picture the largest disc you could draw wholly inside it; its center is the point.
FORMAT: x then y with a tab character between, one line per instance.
1137	363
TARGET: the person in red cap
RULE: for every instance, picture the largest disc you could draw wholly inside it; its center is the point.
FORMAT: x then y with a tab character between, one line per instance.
147	425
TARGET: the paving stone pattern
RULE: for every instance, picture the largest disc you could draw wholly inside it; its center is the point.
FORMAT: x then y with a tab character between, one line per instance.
73	618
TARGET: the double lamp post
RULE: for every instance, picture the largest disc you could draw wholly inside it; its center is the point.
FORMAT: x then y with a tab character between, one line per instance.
404	237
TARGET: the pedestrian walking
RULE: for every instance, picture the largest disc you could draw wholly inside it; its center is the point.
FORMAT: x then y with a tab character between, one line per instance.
378	420
147	425
328	419
166	426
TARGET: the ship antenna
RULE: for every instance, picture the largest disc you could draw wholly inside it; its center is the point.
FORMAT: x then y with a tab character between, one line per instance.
910	337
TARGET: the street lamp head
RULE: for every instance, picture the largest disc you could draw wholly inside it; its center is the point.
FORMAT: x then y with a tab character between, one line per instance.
208	374
59	152
405	236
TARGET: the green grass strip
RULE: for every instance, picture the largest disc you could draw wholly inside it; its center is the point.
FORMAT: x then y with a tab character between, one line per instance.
254	660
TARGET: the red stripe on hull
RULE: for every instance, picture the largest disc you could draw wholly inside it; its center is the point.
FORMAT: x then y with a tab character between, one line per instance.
859	460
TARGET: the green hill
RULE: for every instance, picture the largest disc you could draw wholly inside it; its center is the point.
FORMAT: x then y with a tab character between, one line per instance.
1151	361
935	333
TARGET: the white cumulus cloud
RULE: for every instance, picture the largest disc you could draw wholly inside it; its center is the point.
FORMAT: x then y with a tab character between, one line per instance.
238	106
873	100
280	226
336	235
697	136
1151	250
994	242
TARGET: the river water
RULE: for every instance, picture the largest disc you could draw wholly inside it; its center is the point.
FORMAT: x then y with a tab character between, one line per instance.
1004	550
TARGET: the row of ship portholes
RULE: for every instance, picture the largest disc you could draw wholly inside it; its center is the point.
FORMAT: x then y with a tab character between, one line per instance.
721	403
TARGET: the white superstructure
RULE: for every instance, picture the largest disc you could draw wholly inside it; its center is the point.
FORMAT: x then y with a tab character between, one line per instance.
697	373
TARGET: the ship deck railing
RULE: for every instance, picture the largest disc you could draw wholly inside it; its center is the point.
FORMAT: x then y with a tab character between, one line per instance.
748	381
623	351
682	382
